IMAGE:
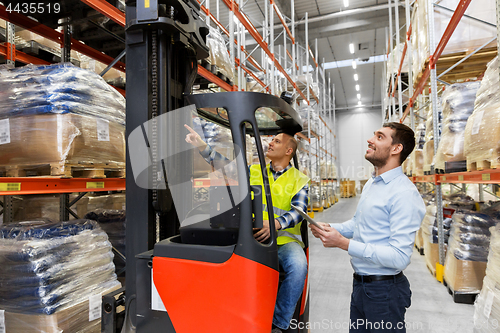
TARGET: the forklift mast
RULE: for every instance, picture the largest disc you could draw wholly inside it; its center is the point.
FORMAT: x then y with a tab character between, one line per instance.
164	39
192	266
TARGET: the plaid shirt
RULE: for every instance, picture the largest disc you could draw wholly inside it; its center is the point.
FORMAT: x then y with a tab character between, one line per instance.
290	218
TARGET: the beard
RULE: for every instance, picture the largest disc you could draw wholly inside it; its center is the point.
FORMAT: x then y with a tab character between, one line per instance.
378	158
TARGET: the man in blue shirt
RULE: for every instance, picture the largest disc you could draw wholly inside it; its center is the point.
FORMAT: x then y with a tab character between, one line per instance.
380	236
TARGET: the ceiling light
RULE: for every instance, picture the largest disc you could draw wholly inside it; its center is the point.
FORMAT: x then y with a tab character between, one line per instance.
359	96
357	87
354	64
351	48
346	3
359	102
355	77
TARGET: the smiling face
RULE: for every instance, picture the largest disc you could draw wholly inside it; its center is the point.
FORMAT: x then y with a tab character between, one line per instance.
379	147
279	147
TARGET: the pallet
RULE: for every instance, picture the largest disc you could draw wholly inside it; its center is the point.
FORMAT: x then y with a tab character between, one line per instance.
473	67
431	270
428	169
420	250
64	170
455	166
460	297
483	164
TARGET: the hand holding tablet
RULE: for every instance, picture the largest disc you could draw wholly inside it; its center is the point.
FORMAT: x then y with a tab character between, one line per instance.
307	217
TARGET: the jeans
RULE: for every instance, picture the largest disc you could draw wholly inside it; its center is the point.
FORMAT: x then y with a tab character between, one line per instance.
294	263
380	306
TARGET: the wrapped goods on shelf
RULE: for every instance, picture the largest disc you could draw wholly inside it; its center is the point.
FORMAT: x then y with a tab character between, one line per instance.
468	251
429	237
315	197
420	136
55	268
458	104
394	60
331	170
218	55
419	38
113	222
60	114
30	207
487	306
91	202
482	133
417	162
468	35
314	118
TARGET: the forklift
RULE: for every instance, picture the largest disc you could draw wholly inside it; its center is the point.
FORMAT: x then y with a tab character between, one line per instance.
193	264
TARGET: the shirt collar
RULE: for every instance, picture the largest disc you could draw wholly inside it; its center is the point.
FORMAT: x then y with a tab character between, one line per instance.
282	171
389	175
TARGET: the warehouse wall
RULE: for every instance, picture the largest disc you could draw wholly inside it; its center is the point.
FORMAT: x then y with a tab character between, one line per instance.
354	127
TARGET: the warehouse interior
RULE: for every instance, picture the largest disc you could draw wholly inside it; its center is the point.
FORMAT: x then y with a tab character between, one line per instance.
110	221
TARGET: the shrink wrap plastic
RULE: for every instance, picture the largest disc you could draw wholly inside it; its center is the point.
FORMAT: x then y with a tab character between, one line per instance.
468	251
218	55
59	114
468	35
458	104
487	306
113	222
482	133
49	269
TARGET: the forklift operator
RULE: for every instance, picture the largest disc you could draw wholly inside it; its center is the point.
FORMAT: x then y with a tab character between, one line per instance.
288	186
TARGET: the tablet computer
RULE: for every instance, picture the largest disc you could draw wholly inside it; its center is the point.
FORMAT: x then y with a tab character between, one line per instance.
307	217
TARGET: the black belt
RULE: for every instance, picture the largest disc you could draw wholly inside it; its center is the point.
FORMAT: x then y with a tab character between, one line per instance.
371	278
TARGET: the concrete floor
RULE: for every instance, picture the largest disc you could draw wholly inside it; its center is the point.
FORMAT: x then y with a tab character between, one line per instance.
432	309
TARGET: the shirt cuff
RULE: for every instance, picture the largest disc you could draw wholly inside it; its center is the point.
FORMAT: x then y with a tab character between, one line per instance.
206	152
356	248
282	222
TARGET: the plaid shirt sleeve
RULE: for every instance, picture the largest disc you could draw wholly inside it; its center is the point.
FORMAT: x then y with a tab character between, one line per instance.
292	218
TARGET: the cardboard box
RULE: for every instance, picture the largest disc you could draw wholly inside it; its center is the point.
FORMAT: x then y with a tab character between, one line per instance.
464	276
74	319
61	138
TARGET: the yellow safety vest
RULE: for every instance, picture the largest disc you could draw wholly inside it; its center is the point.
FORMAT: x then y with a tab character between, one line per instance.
282	192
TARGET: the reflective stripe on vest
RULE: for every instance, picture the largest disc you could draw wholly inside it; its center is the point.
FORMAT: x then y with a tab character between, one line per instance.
282	192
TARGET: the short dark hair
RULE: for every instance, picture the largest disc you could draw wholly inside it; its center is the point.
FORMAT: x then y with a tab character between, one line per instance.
292	143
402	135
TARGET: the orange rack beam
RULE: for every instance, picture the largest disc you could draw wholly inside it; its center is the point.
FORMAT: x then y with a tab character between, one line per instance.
41	185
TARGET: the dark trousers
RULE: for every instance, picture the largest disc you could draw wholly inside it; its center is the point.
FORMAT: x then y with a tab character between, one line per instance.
380	306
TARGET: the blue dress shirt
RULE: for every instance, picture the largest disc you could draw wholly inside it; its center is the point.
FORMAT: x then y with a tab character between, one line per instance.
383	229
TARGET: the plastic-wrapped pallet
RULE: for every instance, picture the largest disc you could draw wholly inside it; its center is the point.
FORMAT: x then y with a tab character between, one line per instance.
218	55
394	60
468	35
458	104
113	222
420	136
314	118
487	306
60	115
468	246
428	149
431	254
91	202
482	133
50	271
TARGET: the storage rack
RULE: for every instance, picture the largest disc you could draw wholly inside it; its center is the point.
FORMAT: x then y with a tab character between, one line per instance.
13	186
436	49
291	69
